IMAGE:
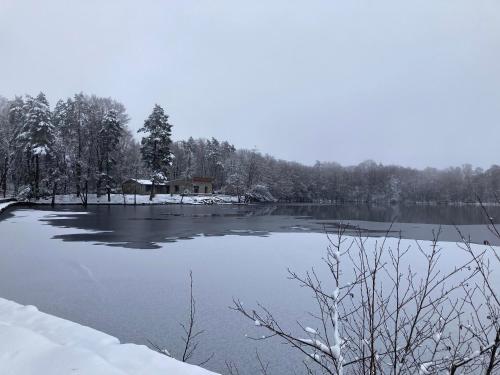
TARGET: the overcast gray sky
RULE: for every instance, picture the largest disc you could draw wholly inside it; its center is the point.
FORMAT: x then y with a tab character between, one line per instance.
407	82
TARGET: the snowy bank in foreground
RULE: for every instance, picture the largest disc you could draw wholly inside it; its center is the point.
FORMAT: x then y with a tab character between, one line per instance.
5	205
143	199
34	342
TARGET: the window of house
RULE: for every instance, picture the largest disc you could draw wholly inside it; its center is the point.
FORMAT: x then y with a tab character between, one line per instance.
168	189
206	189
196	189
176	188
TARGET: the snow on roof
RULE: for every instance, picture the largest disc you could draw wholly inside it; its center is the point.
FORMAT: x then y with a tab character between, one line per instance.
145	182
194	179
142	182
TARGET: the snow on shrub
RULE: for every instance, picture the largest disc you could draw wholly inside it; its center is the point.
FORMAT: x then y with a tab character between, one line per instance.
259	193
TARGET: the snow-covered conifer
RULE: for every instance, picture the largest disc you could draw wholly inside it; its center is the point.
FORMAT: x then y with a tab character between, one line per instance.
155	145
37	135
109	135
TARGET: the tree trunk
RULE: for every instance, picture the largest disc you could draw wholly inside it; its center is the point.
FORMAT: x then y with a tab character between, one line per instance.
152	190
86	192
78	177
99	179
491	364
108	185
78	166
135	194
27	175
4	176
37	175
135	187
54	189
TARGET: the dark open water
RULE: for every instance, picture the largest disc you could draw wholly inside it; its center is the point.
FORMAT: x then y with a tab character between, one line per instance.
148	226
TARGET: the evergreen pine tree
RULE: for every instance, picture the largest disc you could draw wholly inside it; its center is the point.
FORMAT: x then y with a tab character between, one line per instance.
78	110
42	130
155	146
109	134
13	124
38	133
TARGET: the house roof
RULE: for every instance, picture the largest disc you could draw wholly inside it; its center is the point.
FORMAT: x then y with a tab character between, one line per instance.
202	179
144	182
149	183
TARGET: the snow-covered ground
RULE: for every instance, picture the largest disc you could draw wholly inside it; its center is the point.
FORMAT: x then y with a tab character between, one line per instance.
37	343
5	205
144	199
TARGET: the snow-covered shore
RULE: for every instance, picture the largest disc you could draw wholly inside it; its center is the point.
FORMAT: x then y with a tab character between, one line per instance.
34	342
5	205
143	199
129	199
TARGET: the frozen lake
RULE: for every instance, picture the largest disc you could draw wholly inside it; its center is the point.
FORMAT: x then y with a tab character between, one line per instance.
124	270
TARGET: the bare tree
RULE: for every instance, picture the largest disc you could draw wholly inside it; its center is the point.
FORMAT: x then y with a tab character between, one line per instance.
386	316
191	332
263	365
484	301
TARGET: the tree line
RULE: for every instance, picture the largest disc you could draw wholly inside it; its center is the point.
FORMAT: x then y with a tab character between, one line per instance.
84	145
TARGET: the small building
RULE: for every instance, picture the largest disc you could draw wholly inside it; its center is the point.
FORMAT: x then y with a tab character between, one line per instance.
142	187
195	185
